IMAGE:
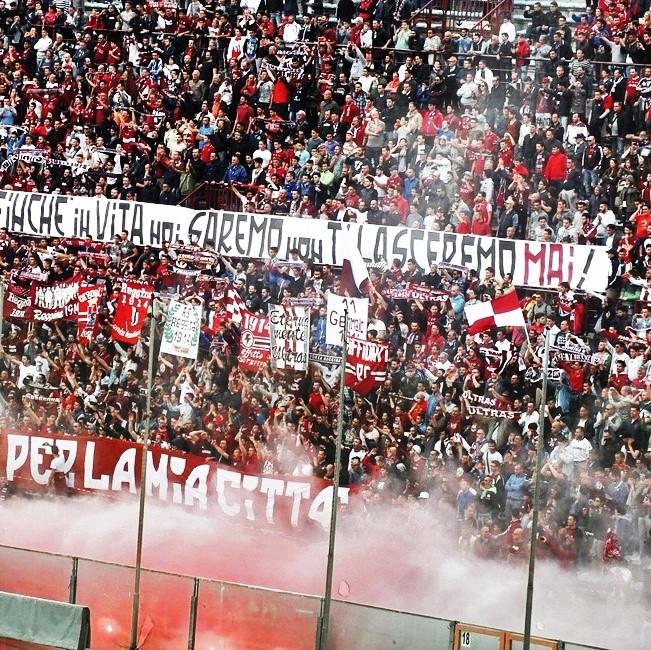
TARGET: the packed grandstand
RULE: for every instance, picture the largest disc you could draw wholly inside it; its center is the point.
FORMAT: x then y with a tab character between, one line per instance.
364	121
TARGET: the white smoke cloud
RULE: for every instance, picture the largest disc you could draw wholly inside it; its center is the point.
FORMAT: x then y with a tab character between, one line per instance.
396	558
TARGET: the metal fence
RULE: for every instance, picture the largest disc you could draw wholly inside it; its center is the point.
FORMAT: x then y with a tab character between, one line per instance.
182	612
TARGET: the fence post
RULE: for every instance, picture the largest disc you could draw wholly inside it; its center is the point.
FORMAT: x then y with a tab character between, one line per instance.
194	603
72	585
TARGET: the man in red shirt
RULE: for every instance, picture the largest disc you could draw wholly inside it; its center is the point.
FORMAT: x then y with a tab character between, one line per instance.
394	181
348	111
100	53
619	378
480	225
556	167
244	114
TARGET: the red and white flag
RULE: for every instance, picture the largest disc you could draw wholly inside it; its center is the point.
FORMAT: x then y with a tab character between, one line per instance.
504	311
234	304
354	274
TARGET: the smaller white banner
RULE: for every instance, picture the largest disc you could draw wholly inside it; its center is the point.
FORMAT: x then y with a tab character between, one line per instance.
182	330
357	318
289	333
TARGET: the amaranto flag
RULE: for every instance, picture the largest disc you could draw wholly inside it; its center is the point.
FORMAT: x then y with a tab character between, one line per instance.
504	311
366	365
354	274
89	300
18	302
129	317
56	301
255	343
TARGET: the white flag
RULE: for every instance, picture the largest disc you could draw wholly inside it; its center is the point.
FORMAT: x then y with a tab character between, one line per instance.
357	318
182	330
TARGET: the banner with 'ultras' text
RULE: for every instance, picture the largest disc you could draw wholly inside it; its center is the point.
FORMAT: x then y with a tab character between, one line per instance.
102	465
487	407
416	292
534	264
133	304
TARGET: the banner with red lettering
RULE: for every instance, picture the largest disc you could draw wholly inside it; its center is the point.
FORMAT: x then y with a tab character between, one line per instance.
240	234
103	465
133	304
18	302
254	342
89	301
416	292
56	301
366	365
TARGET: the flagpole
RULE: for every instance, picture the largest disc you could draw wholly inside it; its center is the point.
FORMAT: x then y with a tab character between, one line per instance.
536	497
323	624
2	308
133	642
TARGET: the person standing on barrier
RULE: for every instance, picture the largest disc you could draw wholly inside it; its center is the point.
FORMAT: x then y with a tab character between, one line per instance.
56	483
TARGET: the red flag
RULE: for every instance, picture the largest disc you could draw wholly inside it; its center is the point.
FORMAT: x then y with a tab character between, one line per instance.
18	302
56	301
254	342
354	274
366	365
504	311
89	300
129	317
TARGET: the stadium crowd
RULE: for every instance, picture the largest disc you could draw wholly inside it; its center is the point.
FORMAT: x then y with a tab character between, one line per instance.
539	134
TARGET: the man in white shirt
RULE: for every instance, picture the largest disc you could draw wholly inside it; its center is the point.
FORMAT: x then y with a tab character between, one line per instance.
635	363
484	74
581	448
605	217
508	28
530	416
502	343
291	30
357	451
263	154
491	455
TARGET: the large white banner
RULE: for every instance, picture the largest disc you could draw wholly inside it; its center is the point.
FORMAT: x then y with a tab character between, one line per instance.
182	330
289	331
234	234
357	318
